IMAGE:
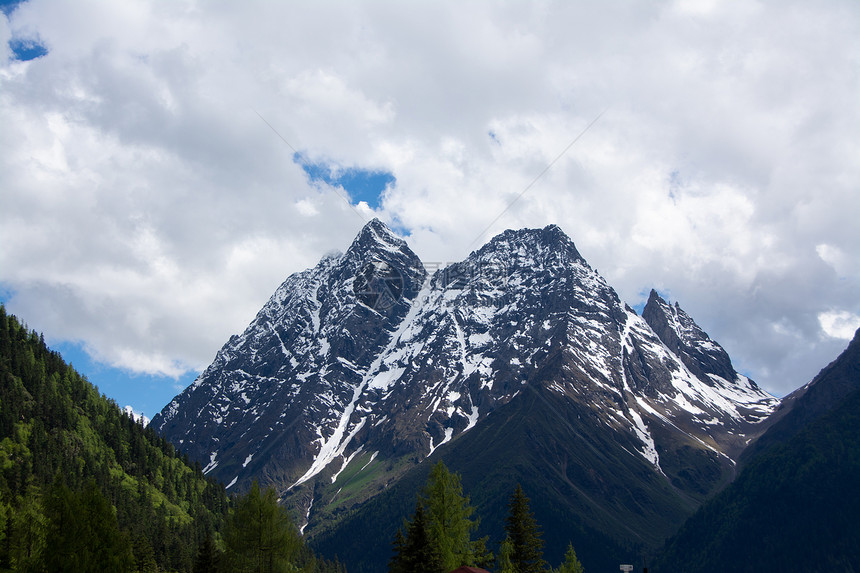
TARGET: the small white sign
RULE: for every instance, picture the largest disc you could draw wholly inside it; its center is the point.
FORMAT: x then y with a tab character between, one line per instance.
627	568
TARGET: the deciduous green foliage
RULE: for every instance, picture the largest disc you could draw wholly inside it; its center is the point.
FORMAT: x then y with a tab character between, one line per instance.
524	535
259	536
443	523
506	552
27	532
571	563
450	520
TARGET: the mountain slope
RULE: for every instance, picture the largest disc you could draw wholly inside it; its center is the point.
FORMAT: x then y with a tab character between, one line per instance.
811	401
794	506
284	391
357	370
585	487
85	487
55	423
586	484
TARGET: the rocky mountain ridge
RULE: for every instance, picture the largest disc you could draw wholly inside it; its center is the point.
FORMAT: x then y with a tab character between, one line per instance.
365	365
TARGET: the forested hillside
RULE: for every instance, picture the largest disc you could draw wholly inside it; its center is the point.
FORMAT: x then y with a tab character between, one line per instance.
61	440
794	506
85	487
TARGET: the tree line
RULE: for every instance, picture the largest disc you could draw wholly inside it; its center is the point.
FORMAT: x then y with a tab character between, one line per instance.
438	537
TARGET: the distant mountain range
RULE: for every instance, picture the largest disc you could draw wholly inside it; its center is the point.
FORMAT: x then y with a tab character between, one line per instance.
519	364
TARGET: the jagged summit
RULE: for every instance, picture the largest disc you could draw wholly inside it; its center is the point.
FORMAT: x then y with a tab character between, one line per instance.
685	338
376	234
386	272
548	246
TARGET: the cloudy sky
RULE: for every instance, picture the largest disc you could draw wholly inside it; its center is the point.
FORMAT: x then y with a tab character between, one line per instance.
165	165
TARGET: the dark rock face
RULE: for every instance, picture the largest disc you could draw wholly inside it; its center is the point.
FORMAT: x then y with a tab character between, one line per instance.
360	368
293	369
686	340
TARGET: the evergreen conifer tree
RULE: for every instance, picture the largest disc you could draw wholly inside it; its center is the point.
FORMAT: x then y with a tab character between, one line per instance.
571	563
64	528
421	554
524	535
481	556
444	512
83	533
449	516
397	562
259	535
4	511
207	556
144	556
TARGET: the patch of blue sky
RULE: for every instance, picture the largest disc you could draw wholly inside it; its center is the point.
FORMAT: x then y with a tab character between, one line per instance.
8	6
27	49
24	49
147	394
6	293
396	225
366	185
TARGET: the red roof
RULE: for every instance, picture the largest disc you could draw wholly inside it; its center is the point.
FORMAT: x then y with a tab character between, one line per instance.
469	570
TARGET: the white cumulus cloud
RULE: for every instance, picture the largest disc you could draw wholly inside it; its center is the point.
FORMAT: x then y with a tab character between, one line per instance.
839	324
147	211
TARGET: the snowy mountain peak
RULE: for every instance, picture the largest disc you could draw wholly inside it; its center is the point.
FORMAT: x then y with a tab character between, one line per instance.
361	360
381	268
548	246
376	235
